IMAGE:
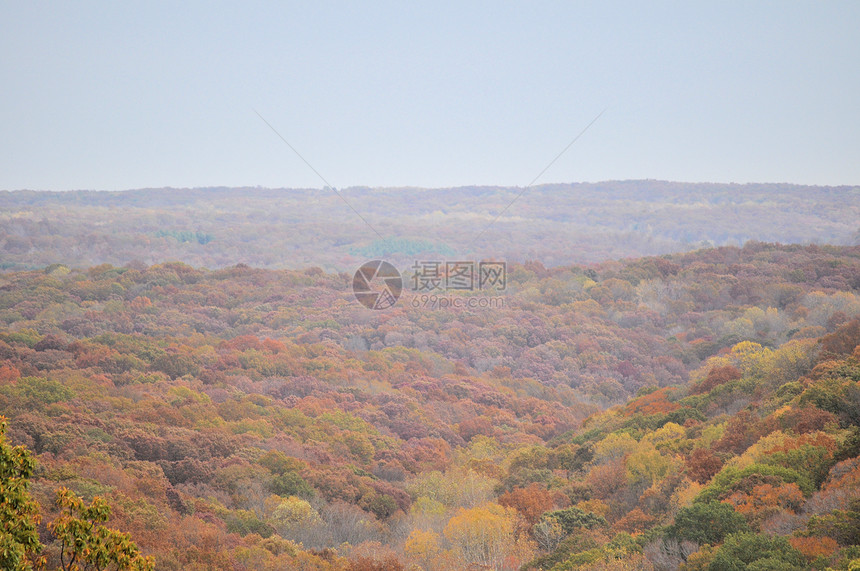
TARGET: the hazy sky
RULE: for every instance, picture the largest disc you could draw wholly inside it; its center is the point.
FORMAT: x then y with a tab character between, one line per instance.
119	95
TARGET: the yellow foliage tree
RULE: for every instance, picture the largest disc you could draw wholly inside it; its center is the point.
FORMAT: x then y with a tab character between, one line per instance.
614	446
647	465
751	358
422	546
667	436
293	511
483	535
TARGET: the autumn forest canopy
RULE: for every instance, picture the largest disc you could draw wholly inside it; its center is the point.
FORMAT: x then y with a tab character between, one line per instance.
672	382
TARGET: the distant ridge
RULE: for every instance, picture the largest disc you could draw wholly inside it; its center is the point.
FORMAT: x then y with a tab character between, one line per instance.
292	228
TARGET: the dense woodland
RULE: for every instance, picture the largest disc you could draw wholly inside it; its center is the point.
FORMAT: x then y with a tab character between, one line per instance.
558	224
697	410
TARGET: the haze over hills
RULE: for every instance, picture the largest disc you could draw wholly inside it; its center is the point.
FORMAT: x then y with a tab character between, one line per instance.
558	224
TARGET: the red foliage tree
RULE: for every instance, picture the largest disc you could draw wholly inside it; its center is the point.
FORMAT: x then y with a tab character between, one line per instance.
717	376
702	464
531	502
842	341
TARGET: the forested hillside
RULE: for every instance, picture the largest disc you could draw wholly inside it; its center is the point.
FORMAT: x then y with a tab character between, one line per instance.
696	409
558	224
